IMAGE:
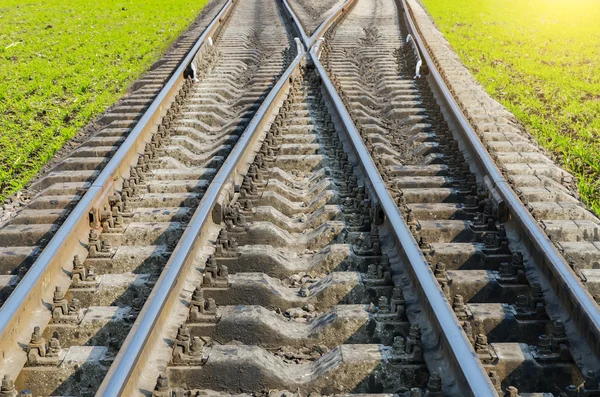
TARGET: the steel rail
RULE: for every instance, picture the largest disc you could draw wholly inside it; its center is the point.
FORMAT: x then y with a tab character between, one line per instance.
464	359
323	27
24	307
118	383
297	24
567	286
464	356
409	39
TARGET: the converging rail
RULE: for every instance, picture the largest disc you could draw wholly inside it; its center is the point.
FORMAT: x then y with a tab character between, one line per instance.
292	213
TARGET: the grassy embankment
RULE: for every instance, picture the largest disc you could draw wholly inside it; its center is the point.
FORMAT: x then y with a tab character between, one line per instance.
63	62
540	59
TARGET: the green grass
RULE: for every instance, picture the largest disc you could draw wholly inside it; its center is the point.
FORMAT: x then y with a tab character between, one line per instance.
63	62
540	59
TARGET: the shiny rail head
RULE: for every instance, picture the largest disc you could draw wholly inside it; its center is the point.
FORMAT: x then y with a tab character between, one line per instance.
304	39
125	364
468	366
30	293
573	295
309	42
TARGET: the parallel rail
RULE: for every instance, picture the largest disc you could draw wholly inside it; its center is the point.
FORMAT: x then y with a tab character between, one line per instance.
565	283
467	366
24	309
121	377
16	319
140	340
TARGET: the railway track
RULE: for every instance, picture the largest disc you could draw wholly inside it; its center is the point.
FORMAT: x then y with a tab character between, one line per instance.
280	223
313	13
496	281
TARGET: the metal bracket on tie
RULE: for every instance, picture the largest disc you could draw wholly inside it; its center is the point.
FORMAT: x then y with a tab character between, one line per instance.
194	71
193	66
409	39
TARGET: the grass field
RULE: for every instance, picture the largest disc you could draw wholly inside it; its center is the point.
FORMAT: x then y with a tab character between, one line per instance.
540	59
63	62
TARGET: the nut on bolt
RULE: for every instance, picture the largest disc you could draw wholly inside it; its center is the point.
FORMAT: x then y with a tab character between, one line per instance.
182	342
8	387
571	391
202	310
459	307
440	271
511	391
434	385
162	388
493	375
590	386
37	347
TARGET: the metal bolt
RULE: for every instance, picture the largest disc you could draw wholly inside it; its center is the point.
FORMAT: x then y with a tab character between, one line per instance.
544	344
399	346
383	305
434	383
493	375
372	271
559	332
415	332
198	295
58	294
223	271
459	306
106	246
591	382
512	391
74	306
440	270
481	344
522	301
416	392
197	346
211	305
505	270
36	337
54	348
7	384
183	333
162	383
571	391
